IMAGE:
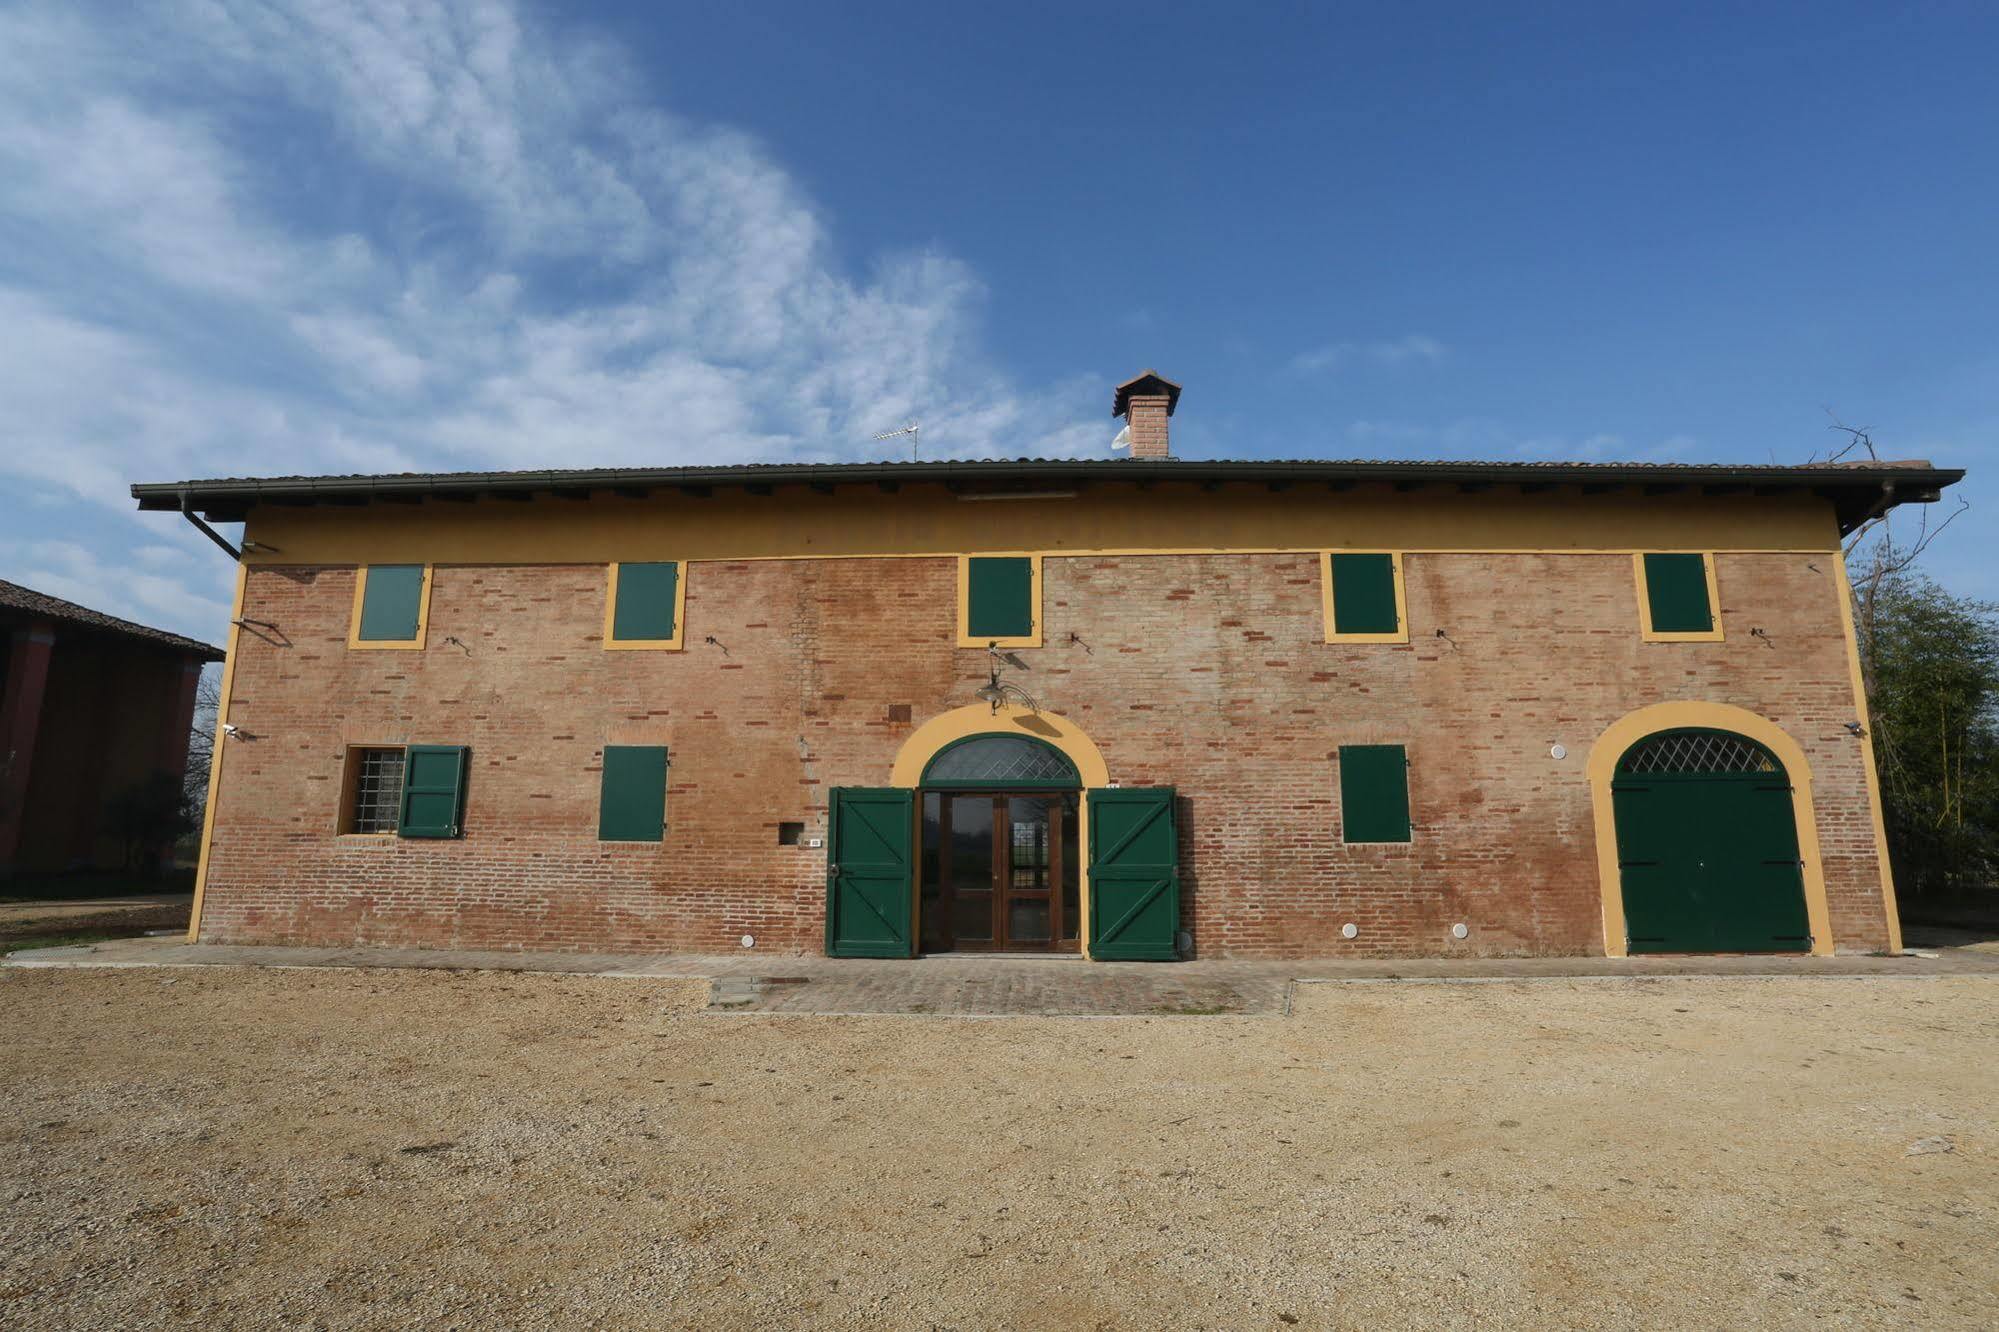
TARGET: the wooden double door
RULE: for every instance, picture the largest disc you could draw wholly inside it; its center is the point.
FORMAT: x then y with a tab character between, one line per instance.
1000	871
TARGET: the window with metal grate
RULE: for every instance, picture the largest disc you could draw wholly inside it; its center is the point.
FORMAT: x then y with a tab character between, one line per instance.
1696	751
376	793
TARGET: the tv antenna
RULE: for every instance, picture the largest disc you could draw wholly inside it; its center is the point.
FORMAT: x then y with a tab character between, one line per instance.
910	430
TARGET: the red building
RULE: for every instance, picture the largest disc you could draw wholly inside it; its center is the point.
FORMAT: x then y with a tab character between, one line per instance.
1132	708
91	708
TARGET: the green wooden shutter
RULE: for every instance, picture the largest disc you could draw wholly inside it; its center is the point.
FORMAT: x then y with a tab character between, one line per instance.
1001	592
647	594
391	603
1134	875
1364	594
1676	587
1374	793
632	803
433	790
870	873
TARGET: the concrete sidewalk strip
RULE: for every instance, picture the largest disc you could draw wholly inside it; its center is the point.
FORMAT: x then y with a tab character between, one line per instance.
16	913
972	986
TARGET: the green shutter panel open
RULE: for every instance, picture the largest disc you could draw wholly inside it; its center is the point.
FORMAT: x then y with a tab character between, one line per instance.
433	790
1364	594
870	873
647	594
1134	875
1676	587
1374	793
1001	592
391	603
632	804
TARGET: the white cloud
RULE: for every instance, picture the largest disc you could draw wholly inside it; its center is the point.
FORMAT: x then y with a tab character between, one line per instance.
1480	437
1414	349
284	236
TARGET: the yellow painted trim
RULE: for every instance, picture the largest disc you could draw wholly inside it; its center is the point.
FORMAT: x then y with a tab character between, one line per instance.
1844	587
1627	731
965	636
928	520
1645	630
354	639
613	644
216	748
979	719
1401	634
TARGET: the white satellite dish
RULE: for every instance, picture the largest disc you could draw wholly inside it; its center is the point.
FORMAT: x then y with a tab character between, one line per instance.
1123	440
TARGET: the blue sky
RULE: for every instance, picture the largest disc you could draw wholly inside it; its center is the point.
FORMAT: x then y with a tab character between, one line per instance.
255	238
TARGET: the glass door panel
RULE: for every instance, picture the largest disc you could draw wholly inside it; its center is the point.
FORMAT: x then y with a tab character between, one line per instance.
970	864
1029	875
1071	870
1000	871
1027	922
930	877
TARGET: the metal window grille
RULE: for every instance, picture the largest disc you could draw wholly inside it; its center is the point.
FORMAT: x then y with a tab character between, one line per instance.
378	791
1697	751
1000	758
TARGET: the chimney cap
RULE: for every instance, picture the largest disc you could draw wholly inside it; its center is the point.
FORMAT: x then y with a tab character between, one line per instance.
1145	384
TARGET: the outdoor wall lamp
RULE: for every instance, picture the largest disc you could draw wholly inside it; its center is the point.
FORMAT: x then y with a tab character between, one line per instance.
996	691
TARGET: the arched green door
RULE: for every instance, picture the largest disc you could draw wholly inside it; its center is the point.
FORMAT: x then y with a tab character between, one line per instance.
1707	847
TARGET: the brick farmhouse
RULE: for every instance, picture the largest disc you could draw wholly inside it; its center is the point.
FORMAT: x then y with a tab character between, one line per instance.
1133	708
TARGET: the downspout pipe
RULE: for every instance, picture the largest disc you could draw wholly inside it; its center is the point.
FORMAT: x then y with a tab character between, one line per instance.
187	512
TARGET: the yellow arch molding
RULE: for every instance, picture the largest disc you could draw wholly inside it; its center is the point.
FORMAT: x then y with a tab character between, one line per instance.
1635	726
1048	727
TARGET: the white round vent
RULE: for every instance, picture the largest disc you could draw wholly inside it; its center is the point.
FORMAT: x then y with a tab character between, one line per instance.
749	941
1349	930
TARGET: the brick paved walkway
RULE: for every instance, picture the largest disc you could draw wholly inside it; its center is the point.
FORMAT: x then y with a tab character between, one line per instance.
1005	987
972	986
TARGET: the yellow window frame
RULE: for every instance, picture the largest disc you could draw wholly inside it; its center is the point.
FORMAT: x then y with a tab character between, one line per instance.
354	639
612	643
1646	632
965	636
1401	634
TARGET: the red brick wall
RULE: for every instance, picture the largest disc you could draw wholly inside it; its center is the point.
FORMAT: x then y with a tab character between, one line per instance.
1147	415
1206	673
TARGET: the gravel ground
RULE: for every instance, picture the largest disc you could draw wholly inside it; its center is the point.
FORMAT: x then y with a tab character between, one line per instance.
338	1149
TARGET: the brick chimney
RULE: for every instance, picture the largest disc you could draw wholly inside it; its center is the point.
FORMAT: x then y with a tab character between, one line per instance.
1146	401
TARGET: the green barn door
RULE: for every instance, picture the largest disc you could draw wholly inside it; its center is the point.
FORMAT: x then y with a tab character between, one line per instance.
869	873
1707	847
1134	875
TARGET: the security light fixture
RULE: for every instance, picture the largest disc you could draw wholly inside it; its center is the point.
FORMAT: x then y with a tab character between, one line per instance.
1855	728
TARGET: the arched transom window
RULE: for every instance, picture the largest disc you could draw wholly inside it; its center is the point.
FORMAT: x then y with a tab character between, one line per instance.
1001	761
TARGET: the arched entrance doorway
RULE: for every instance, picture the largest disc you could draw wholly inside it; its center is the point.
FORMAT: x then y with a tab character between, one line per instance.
1109	856
1707	846
999	867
